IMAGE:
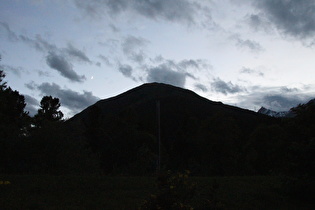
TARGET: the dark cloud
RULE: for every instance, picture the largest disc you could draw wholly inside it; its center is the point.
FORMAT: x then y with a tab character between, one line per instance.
255	20
12	69
6	31
191	76
57	58
126	70
105	59
38	43
111	44
274	98
189	63
31	85
59	63
137	57
44	46
132	48
254	46
201	87
176	10
165	71
225	88
114	28
258	22
97	8
164	74
43	73
157	59
245	70
77	54
32	104
289	90
196	64
247	43
70	99
183	65
292	17
172	72
31	100
280	101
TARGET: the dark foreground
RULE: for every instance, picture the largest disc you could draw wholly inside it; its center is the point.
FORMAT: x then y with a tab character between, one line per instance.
102	192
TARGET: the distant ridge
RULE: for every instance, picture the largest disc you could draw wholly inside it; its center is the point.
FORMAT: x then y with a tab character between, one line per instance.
272	113
283	114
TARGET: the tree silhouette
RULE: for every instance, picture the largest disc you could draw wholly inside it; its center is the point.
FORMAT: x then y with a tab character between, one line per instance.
14	125
12	112
2	84
48	112
2	75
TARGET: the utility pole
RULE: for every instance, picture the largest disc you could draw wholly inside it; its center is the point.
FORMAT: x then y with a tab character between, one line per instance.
158	115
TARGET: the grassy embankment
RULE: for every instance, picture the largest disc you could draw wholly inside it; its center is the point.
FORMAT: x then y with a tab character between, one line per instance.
101	192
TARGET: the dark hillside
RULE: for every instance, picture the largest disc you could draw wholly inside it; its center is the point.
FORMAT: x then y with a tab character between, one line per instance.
196	133
175	103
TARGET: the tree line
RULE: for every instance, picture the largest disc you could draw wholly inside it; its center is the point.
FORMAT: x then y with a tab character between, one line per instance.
38	144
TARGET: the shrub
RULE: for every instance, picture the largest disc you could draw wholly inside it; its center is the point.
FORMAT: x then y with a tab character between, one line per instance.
175	192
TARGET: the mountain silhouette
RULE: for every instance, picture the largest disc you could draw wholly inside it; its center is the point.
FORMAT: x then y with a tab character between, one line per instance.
123	129
174	101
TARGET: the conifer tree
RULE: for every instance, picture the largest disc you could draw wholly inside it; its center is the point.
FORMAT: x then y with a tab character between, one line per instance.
48	112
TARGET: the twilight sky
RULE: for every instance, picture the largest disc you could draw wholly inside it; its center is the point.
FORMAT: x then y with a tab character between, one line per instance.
248	53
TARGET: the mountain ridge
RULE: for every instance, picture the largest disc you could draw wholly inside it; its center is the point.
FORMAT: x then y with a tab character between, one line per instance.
272	113
161	87
196	133
283	114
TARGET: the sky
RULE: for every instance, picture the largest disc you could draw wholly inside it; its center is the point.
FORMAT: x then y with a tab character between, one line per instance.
245	53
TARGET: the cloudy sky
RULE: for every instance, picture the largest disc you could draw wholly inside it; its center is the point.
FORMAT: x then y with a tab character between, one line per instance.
248	53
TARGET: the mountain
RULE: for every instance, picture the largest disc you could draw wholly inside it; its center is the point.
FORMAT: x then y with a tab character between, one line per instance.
287	114
311	102
174	101
272	113
177	106
196	133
